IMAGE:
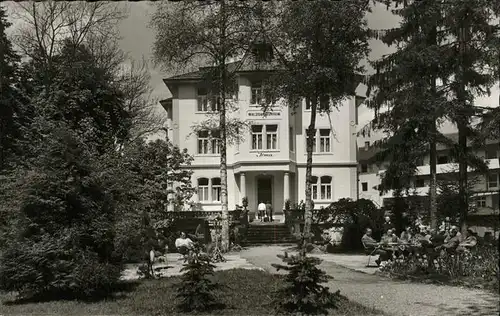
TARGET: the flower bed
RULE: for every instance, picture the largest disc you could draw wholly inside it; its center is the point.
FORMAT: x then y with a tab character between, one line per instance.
478	268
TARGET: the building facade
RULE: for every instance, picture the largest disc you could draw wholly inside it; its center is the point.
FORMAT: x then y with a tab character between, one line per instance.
486	187
269	163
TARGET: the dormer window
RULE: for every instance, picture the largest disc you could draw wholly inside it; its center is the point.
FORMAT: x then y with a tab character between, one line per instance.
262	52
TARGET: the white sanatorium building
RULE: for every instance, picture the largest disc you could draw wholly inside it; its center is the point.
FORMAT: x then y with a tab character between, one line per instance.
270	164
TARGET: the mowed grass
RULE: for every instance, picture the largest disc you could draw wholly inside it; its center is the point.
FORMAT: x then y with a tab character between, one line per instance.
247	292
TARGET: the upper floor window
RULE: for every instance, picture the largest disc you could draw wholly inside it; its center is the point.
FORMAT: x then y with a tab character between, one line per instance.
257	134
203	189
202	100
442	160
419	183
215	143
257	93
493	180
205	102
314	140
364	186
291	138
323	105
324	140
262	52
207	144
367	145
272	136
267	132
203	142
216	189
491	153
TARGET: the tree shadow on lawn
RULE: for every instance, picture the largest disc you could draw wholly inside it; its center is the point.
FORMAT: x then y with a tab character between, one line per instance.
119	291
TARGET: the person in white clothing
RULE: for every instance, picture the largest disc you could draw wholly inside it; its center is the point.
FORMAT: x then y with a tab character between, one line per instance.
183	244
261	208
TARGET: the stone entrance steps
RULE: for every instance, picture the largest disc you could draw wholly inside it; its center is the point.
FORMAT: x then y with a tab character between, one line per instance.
268	233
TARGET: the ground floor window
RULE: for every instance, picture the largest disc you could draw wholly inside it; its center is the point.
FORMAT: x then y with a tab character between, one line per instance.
314	187
216	189
205	186
480	201
322	189
326	188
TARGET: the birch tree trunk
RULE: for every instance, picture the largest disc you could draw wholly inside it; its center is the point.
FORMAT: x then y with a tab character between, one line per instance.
223	136
311	136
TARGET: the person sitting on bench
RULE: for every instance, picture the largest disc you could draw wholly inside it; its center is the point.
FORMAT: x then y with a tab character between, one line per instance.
184	244
469	243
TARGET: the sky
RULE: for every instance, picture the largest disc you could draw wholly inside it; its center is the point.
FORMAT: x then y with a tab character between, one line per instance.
137	40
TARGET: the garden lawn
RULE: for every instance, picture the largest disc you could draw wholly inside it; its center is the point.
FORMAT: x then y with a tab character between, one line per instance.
248	292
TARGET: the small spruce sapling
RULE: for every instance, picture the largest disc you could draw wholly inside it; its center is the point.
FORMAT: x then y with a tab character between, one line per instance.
196	290
302	293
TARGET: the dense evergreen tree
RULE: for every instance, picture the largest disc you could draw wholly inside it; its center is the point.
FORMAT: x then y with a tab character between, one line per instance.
469	28
11	108
414	85
302	292
60	210
60	236
405	82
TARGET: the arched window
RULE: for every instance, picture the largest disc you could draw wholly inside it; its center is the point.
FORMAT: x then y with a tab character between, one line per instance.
216	189
314	187
203	189
326	188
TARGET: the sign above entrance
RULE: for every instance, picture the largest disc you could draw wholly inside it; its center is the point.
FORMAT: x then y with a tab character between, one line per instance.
264	114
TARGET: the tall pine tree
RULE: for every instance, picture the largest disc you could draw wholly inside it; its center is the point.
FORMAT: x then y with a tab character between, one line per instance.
10	98
469	28
405	82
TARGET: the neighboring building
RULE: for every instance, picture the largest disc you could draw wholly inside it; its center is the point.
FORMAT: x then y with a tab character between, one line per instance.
486	197
270	164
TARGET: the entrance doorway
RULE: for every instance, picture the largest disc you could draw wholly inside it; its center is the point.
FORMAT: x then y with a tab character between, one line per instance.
264	189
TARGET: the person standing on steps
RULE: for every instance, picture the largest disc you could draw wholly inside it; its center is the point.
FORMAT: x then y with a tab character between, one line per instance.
261	209
269	211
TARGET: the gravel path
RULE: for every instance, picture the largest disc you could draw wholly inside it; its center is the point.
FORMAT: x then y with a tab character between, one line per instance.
398	298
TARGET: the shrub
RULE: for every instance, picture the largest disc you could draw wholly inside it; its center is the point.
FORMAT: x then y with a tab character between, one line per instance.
196	289
61	236
302	292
